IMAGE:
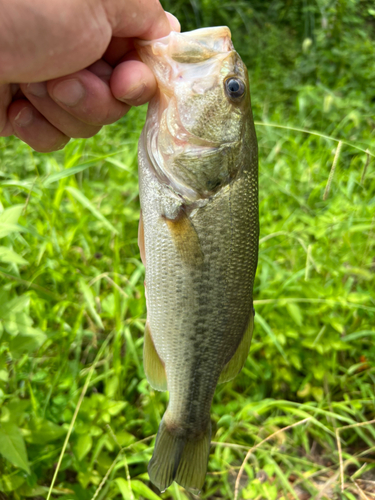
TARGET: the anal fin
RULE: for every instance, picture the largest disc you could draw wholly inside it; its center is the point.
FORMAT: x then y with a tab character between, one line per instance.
153	365
234	366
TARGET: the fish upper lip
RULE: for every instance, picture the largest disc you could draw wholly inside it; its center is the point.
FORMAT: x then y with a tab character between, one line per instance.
144	43
183	48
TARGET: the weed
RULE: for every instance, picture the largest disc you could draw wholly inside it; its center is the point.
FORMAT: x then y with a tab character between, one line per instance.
77	415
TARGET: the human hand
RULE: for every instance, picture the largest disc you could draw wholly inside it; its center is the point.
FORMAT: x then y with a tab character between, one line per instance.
75	75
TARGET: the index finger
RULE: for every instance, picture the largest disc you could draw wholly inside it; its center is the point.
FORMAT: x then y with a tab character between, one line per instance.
137	19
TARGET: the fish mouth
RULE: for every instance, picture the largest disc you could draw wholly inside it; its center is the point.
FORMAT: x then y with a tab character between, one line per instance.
189	47
180	55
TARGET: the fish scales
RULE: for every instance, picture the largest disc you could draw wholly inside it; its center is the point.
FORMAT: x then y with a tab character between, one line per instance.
198	179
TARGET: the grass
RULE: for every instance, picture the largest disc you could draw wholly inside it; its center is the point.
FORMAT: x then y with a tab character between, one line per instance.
72	306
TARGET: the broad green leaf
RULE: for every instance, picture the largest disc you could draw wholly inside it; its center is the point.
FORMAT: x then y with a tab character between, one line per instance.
137	487
125	438
10	482
318	393
17	409
12	446
114	408
81	198
112	386
23	343
32	492
10	257
19	322
44	431
11	215
295	312
85	477
143	490
17	304
8	228
123	487
83	446
337	325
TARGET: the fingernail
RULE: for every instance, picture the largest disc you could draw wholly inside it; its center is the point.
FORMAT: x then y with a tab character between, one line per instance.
39	89
134	93
174	22
24	117
68	92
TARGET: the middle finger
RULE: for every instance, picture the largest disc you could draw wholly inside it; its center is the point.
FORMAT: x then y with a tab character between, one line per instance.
37	94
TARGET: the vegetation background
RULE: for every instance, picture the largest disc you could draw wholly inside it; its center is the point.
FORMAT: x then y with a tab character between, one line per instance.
72	306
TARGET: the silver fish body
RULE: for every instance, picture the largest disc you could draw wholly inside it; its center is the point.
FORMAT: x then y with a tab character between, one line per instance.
198	180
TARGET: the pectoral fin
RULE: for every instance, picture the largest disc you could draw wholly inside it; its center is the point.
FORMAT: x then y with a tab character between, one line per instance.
234	366
153	365
185	238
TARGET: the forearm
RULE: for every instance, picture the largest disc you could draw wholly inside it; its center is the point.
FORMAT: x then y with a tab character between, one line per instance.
27	27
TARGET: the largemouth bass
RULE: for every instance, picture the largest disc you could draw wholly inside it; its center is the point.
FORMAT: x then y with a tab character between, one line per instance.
198	237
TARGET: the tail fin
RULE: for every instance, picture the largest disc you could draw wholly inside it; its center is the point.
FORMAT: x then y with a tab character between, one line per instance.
180	458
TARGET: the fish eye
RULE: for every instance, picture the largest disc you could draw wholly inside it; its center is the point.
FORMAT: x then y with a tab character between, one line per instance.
235	88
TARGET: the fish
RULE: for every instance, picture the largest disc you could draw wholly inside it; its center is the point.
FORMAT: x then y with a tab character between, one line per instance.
198	238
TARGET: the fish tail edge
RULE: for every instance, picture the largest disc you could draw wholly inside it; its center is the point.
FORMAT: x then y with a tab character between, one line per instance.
181	458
